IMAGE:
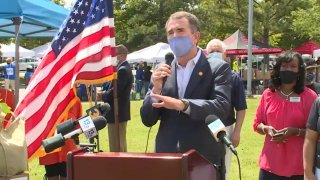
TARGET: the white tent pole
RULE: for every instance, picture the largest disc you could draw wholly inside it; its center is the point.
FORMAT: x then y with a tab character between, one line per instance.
17	23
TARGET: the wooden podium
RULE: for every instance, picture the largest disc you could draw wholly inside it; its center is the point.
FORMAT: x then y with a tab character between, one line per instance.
139	166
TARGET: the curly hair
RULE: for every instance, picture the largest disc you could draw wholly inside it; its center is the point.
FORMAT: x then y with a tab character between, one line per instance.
286	57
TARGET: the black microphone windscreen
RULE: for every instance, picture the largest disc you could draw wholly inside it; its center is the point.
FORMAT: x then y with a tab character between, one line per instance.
169	58
210	118
53	143
66	127
104	108
99	122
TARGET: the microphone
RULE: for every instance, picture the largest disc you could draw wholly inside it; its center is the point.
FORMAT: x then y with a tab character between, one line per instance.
88	127
104	109
71	125
169	57
219	132
98	110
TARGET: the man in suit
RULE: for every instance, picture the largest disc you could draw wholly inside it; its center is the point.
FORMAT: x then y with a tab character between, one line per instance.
194	88
217	50
124	85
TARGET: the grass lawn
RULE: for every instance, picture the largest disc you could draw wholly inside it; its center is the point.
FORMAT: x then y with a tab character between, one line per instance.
248	150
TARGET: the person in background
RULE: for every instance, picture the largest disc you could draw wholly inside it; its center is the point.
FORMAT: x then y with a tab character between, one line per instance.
235	66
105	86
28	74
282	117
9	74
146	79
194	89
124	85
139	79
311	146
311	74
217	49
55	162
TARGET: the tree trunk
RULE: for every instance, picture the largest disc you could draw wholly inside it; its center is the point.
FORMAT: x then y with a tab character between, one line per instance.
265	65
266	35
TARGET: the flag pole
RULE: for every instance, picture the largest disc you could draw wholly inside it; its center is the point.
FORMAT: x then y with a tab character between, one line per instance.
94	91
116	115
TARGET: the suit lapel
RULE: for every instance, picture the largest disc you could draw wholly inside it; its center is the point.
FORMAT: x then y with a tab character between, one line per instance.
198	73
123	64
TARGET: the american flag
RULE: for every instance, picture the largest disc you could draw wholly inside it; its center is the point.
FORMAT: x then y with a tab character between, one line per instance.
83	51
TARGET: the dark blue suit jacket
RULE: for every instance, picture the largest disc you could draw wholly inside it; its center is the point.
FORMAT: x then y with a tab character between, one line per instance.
208	92
124	85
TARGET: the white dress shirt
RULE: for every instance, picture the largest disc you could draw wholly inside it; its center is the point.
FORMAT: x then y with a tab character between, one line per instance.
184	74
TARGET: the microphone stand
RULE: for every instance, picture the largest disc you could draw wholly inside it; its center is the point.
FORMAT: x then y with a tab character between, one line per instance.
88	147
95	103
98	142
91	140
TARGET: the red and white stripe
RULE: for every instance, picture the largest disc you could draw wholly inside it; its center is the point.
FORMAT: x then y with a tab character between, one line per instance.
87	57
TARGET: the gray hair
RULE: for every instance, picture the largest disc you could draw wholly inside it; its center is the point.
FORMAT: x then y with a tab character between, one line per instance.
216	43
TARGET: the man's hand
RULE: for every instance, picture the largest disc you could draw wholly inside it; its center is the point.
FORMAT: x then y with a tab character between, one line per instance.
162	71
235	138
168	102
309	176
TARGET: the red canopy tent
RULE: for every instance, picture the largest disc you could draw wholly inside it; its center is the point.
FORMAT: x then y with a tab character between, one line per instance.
307	47
237	44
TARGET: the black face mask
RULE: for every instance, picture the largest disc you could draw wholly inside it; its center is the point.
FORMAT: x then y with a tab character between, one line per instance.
288	77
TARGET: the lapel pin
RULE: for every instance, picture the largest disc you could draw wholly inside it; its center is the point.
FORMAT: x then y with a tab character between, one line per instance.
200	73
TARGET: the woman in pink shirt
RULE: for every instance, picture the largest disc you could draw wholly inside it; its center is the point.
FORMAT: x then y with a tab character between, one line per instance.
282	116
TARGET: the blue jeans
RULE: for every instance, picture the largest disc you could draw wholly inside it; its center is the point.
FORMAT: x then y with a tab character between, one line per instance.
139	84
146	86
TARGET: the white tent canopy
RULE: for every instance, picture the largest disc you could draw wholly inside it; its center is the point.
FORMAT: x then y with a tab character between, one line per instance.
316	53
151	54
41	50
9	51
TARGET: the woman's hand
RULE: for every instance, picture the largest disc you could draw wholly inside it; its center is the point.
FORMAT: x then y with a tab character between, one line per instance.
269	130
282	134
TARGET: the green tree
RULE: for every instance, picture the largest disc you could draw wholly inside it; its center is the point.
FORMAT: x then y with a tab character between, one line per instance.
271	18
31	43
306	21
140	23
60	2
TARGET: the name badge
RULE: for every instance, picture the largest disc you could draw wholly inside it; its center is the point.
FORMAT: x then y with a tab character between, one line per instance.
295	99
10	71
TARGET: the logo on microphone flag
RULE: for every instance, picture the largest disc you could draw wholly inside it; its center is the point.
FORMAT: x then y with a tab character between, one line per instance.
83	51
88	127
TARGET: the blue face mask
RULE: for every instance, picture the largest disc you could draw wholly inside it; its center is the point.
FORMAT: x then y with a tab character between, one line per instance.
310	77
215	55
180	45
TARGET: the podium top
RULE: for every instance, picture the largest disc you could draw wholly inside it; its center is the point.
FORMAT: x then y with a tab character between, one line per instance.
131	155
142	166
